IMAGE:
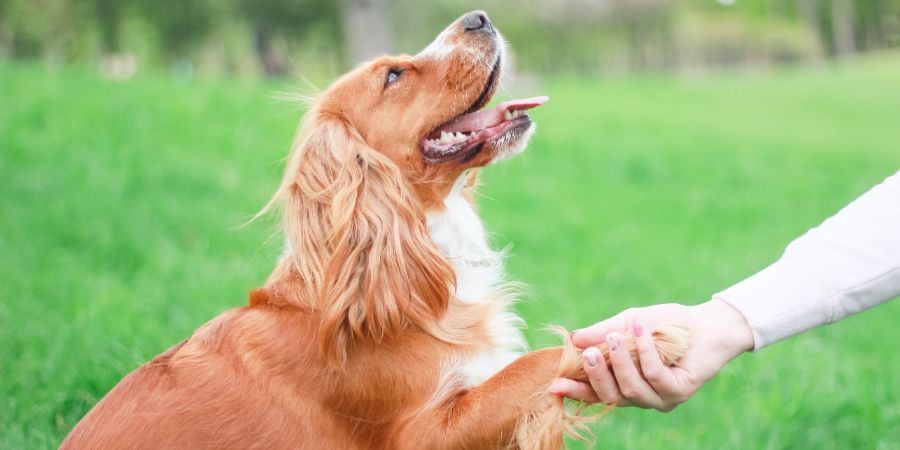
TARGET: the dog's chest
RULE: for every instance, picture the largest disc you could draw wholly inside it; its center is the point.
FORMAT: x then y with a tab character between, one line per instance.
461	237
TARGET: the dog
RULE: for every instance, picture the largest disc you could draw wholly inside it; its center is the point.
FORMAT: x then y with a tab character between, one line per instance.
387	322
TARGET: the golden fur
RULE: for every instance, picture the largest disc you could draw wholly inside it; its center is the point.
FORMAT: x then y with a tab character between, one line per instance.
349	342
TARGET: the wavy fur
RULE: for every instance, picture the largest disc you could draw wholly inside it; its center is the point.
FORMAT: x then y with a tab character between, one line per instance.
358	239
361	338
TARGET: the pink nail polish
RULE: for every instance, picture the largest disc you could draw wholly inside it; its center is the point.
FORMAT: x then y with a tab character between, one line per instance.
638	330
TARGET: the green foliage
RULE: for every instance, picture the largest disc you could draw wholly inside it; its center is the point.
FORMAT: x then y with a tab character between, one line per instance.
292	18
178	23
109	19
52	29
295	20
119	204
551	37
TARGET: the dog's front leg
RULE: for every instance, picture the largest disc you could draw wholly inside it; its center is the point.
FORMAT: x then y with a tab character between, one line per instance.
488	416
514	408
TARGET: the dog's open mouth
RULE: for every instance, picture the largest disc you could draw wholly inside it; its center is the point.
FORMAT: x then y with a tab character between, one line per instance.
467	133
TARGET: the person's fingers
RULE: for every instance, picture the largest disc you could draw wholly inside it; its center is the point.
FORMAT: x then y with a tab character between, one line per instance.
576	390
655	372
632	386
596	333
602	380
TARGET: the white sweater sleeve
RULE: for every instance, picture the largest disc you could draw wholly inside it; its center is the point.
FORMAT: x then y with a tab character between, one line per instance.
848	264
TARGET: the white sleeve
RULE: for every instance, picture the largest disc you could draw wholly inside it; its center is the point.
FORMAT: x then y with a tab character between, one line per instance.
848	264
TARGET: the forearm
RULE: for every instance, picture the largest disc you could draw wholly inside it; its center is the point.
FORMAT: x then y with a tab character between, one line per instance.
848	264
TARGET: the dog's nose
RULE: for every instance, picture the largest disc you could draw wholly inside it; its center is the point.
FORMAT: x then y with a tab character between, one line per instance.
475	21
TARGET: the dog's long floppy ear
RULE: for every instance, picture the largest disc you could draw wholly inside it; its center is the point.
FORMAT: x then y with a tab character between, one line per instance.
358	239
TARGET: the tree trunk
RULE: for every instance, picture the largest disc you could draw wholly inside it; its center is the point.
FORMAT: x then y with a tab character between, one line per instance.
271	63
109	17
366	31
842	19
809	13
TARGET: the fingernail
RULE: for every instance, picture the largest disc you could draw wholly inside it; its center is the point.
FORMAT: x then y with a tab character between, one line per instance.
638	330
590	356
612	340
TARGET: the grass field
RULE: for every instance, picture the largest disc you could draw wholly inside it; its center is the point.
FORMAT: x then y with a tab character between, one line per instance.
119	204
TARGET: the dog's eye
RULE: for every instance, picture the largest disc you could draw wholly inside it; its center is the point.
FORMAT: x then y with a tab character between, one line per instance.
393	75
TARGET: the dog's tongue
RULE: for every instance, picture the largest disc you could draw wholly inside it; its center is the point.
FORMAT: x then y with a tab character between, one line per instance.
487	118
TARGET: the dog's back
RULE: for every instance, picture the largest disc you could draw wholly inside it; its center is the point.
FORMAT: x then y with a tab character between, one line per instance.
224	387
253	377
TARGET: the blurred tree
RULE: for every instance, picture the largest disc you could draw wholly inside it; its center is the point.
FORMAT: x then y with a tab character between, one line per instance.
648	29
293	19
5	32
109	19
54	30
366	30
878	23
179	24
809	11
237	36
842	16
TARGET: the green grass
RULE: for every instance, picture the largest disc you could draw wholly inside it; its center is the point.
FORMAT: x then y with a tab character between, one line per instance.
119	202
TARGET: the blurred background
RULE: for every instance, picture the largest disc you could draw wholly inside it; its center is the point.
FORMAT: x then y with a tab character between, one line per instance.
686	143
251	38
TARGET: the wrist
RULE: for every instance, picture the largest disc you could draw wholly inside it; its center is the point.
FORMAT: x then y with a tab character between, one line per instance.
735	332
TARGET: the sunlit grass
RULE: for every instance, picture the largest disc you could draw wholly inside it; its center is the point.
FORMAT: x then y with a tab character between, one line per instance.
119	204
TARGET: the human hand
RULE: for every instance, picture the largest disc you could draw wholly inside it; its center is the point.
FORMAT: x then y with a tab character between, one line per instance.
720	334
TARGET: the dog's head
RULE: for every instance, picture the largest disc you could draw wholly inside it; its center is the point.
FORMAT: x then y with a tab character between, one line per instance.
422	111
382	147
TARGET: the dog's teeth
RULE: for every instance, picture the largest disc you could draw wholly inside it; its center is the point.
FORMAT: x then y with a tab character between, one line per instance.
507	115
448	138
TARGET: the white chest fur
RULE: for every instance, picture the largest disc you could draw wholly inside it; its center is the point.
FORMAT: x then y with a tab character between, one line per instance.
461	237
